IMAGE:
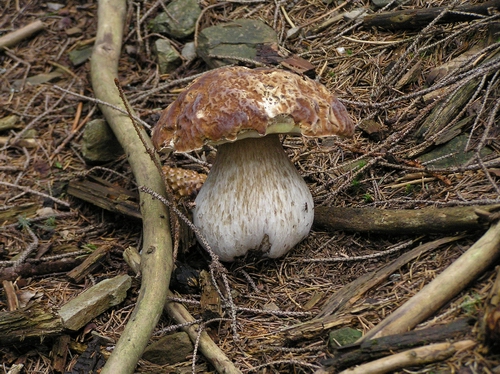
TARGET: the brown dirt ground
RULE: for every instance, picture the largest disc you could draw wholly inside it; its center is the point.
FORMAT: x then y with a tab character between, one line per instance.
361	75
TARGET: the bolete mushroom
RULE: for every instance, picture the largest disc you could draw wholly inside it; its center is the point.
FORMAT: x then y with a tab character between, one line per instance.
253	198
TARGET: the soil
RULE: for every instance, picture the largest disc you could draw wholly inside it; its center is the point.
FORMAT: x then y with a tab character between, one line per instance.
388	81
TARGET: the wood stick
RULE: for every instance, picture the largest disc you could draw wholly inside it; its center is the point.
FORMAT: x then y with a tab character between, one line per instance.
444	287
157	260
14	37
419	18
412	357
389	221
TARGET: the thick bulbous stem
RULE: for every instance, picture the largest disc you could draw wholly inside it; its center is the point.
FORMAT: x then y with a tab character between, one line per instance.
253	199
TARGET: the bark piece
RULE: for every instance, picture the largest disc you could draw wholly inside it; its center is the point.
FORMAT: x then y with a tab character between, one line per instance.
11	215
111	198
10	295
79	311
91	263
91	360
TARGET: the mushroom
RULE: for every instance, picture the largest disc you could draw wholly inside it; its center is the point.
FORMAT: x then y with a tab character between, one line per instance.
253	199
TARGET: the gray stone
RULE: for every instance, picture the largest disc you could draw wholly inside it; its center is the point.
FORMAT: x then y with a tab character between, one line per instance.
239	39
189	51
168	58
99	144
180	20
169	350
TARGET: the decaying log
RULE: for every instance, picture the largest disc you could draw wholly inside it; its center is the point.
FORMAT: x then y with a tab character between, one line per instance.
389	221
354	354
315	327
27	324
418	18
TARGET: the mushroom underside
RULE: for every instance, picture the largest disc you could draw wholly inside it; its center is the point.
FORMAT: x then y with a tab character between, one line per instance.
253	200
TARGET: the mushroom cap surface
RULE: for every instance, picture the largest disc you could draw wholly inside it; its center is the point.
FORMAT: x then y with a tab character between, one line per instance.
231	103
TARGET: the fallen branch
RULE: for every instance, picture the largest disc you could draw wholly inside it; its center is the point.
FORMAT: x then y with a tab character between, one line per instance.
418	18
157	244
14	37
444	287
388	221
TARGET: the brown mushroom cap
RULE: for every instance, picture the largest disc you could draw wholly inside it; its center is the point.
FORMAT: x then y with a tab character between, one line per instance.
236	102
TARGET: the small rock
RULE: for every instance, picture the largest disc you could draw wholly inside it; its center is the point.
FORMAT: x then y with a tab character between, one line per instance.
180	20
168	58
189	51
54	6
170	349
239	39
9	122
271	306
45	212
356	14
99	144
79	56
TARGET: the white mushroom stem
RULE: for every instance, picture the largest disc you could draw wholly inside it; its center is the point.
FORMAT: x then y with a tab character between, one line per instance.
253	199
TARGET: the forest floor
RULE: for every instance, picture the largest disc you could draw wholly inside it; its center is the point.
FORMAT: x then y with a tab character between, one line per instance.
391	81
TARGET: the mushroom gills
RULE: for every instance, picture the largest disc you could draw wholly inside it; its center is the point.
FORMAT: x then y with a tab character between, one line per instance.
253	199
